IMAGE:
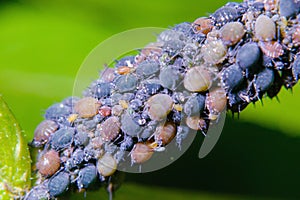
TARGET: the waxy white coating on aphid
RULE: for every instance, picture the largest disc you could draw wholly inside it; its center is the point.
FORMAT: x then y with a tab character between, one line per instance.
214	52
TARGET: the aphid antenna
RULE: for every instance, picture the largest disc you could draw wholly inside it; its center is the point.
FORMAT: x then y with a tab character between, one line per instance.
277	98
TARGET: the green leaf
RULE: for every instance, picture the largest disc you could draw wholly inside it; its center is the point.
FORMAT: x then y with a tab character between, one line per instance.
15	162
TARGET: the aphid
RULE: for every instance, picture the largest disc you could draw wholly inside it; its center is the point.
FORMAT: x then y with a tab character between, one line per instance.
58	184
235	102
117	110
57	111
270	5
125	61
136	104
183	27
71	119
128	126
248	57
146	68
62	138
164	134
178	107
76	159
81	138
110	128
202	25
100	90
173	47
48	163
288	8
126	83
216	101
214	52
231	77
232	32
271	49
86	176
263	81
160	105
107	75
296	68
197	123
194	105
43	131
123	70
151	88
106	165
224	15
170	35
265	28
170	78
276	86
127	143
87	107
124	104
105	111
197	79
140	153
38	192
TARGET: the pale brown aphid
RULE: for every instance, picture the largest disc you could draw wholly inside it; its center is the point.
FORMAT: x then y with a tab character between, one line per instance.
107	75
123	70
141	153
271	49
197	79
48	163
232	32
164	134
110	128
265	28
87	107
160	106
202	25
106	165
196	123
105	111
215	102
214	52
72	118
43	131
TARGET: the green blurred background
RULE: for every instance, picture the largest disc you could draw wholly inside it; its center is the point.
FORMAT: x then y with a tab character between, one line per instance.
42	45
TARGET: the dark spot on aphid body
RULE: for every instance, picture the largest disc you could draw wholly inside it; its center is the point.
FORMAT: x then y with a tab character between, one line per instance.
59	183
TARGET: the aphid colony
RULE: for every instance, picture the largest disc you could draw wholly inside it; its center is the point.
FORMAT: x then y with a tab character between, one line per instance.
183	81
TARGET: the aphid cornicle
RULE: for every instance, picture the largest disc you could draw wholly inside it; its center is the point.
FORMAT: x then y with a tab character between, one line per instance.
197	79
43	131
48	163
